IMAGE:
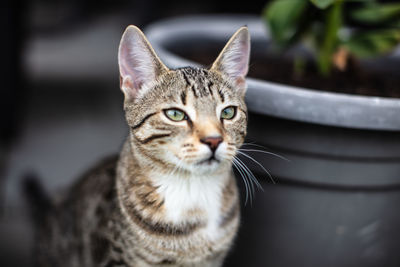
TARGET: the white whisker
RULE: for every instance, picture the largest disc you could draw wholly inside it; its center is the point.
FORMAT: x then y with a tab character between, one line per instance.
259	164
265	152
240	163
250	173
252	144
244	179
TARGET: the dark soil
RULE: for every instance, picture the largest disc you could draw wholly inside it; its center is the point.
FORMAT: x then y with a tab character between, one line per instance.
355	80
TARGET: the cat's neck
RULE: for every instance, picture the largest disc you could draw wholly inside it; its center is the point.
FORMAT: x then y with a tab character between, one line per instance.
170	197
201	210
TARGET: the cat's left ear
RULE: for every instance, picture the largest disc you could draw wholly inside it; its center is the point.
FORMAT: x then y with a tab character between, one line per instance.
138	63
233	61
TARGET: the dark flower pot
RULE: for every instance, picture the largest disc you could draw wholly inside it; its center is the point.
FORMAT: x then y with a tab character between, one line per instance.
336	202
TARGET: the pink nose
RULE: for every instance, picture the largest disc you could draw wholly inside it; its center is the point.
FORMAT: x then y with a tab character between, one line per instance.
212	142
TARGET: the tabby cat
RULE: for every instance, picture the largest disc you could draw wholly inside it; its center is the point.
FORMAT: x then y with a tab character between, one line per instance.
170	198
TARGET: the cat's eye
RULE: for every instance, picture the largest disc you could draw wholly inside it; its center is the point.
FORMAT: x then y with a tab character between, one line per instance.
228	113
175	114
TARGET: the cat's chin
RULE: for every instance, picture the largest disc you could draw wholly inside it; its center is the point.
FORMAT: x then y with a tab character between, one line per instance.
209	166
208	162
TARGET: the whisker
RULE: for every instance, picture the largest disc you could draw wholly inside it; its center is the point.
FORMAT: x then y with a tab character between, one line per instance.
251	175
244	179
252	144
259	164
178	167
251	180
265	152
245	182
247	176
246	173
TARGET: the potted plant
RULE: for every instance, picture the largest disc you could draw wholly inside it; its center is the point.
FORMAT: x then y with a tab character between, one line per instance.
335	202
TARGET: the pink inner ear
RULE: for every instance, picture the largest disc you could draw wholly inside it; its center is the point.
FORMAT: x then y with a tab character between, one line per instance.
137	62
128	87
240	81
244	59
235	57
128	66
239	55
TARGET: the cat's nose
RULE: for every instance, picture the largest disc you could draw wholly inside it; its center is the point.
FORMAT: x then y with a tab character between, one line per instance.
212	141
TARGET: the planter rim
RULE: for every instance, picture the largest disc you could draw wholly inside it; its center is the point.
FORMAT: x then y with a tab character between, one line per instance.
279	100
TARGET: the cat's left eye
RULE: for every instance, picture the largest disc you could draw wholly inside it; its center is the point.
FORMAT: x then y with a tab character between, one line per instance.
228	113
175	114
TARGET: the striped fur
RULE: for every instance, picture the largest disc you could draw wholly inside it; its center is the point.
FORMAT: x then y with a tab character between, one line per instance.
168	200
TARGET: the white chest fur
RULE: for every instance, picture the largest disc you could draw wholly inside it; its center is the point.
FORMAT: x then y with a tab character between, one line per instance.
188	196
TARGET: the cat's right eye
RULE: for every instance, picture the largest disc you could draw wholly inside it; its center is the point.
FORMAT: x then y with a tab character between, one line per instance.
175	114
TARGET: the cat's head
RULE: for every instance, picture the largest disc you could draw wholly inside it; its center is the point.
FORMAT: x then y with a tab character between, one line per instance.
191	119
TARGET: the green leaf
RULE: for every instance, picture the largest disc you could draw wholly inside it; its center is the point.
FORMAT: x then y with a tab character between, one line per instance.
282	17
376	13
373	43
322	4
330	38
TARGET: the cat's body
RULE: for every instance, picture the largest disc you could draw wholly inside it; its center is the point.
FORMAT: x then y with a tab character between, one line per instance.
170	199
92	230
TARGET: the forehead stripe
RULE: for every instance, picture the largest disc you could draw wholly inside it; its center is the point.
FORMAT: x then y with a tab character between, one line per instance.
194	91
183	98
189	83
186	78
209	85
221	95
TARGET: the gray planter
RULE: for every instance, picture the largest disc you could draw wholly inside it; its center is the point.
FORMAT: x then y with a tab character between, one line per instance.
335	202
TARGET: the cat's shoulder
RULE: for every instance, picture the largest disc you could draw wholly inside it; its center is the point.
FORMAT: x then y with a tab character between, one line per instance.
98	180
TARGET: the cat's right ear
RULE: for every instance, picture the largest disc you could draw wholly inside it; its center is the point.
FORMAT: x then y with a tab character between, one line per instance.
138	63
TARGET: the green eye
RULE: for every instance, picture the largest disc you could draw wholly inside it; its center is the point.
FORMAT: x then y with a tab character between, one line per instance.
228	113
175	114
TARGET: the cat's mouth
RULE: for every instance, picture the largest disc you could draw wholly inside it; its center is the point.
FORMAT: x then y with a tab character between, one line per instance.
209	161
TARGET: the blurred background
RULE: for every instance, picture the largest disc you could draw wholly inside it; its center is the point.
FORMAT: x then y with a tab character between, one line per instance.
60	103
